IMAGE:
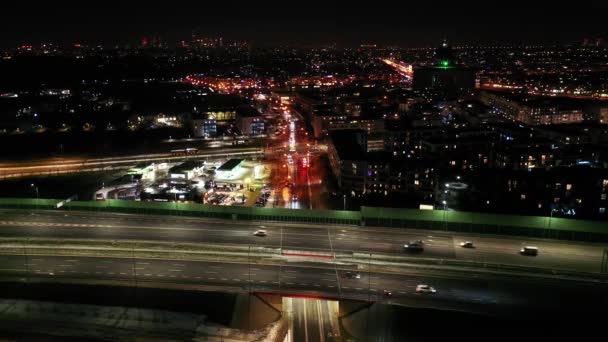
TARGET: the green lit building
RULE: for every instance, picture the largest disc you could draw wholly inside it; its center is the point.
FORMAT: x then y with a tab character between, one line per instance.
446	75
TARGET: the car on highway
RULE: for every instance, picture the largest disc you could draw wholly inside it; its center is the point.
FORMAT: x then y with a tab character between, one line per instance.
529	250
352	275
425	289
414	246
467	244
260	233
387	293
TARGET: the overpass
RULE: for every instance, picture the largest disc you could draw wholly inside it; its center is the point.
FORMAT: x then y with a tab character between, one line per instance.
296	260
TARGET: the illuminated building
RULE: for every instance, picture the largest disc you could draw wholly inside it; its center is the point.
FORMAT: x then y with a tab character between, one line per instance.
446	75
249	121
535	110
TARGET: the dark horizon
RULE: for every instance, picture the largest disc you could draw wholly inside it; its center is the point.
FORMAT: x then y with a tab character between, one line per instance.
411	25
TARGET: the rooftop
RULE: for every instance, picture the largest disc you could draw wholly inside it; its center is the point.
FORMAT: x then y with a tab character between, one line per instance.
230	165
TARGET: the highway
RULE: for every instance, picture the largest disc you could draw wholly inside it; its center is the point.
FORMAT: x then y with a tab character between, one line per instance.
312	320
311	279
55	166
327	239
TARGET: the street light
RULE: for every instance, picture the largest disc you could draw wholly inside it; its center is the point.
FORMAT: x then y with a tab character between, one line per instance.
35	187
445	209
344	196
551	216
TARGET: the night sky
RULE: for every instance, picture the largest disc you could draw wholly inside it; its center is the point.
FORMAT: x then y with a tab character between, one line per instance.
306	22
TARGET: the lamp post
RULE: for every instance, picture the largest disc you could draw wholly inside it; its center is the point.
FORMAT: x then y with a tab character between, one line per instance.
35	187
445	209
344	196
551	216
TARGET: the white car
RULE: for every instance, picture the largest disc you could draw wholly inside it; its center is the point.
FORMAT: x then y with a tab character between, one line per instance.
467	244
260	232
425	289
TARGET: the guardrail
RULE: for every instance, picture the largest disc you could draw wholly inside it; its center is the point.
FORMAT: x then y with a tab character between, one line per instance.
454	221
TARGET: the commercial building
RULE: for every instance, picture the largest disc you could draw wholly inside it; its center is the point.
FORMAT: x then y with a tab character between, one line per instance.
229	168
249	121
143	172
204	128
186	171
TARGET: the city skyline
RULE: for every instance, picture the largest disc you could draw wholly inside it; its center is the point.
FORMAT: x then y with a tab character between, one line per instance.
314	24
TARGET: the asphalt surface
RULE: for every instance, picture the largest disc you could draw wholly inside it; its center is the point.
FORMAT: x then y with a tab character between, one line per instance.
314	280
328	239
312	320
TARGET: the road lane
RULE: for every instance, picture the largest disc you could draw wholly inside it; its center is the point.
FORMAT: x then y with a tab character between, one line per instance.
314	279
492	249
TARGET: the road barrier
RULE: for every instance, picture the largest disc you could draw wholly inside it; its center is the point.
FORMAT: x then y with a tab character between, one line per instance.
453	221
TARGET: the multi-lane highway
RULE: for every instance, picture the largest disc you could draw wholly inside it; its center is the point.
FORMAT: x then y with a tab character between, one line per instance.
54	166
291	275
330	239
310	279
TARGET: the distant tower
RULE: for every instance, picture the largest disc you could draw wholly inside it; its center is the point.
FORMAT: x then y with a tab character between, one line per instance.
444	55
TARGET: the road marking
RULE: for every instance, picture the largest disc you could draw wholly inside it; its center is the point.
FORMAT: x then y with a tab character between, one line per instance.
175	270
211	272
